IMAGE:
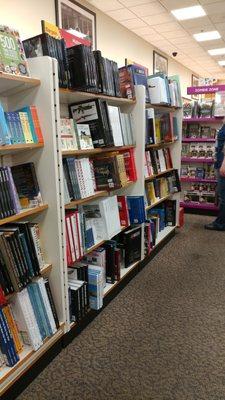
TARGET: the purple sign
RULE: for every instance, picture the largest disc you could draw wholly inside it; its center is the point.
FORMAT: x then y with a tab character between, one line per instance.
205	89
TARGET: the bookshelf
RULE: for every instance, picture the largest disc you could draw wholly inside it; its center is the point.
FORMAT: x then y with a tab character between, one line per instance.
52	103
11	84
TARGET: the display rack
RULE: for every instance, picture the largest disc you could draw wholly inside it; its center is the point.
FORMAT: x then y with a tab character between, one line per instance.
52	103
215	122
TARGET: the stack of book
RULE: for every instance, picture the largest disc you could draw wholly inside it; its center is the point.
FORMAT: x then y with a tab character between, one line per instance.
198	150
131	75
161	127
28	320
164	90
21	255
18	189
157	161
200	193
156	221
199	109
77	293
108	126
162	187
197	131
206	172
20	127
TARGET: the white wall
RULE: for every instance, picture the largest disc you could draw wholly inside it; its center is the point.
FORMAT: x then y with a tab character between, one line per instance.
115	41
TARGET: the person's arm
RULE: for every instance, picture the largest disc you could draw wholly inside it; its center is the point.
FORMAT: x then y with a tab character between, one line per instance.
222	168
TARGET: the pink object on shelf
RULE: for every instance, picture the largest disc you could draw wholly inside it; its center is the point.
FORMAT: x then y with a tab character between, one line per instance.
197	160
202	206
205	89
212	120
199	140
198	180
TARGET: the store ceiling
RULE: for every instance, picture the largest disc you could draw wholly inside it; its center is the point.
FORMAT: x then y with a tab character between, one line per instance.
152	20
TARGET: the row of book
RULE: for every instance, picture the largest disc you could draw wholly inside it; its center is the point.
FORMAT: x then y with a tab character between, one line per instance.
18	189
21	255
157	219
29	319
159	188
200	109
157	161
198	150
82	136
83	176
199	197
195	131
190	171
108	126
203	188
20	126
160	127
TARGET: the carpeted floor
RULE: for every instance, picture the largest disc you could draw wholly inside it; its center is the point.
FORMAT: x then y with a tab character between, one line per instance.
161	338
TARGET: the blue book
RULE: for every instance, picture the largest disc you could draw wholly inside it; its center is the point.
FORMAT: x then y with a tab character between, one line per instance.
33	298
6	341
45	318
26	253
4	129
31	123
19	128
136	209
12	127
89	238
161	213
139	78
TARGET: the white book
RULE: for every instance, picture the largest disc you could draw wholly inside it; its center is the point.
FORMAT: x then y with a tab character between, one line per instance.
124	130
47	305
75	236
84	136
114	116
35	233
68	134
162	162
172	88
70	238
25	319
150	114
110	214
157	90
80	234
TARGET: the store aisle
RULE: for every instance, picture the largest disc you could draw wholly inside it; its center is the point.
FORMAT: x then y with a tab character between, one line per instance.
162	338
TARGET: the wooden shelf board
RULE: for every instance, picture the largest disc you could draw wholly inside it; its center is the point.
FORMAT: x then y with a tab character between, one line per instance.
95	151
23	214
14	148
159	145
157	202
75	203
46	269
157	175
27	358
11	84
67	96
162	107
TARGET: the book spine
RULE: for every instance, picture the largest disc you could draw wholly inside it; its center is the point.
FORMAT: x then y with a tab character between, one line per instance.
26	128
37	125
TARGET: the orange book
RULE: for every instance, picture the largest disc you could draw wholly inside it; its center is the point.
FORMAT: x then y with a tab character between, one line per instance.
13	328
36	122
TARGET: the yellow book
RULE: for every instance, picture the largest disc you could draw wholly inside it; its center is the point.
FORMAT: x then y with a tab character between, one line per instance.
150	191
26	127
121	169
157	130
164	187
13	328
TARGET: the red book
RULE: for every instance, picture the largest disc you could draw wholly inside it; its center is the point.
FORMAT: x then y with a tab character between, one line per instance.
169	134
126	83
3	300
69	245
36	122
123	211
168	158
130	166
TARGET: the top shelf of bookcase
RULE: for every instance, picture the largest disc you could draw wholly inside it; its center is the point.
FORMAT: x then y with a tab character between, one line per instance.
162	107
11	84
213	120
67	96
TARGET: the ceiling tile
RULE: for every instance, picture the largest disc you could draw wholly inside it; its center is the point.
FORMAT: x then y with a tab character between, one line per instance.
180	40
220	26
179	32
106	5
148	9
131	3
212	44
214	8
173	4
121	15
155	38
218	18
146	30
199	23
133	23
171	26
158	19
203	2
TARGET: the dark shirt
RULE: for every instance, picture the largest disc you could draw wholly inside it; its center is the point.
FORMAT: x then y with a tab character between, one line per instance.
219	147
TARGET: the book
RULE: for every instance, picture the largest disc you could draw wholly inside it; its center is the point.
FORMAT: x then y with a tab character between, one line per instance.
130	243
68	134
114	117
84	137
12	55
123	211
26	184
5	136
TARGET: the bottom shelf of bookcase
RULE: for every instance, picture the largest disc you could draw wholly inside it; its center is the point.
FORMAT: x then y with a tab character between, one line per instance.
199	206
8	375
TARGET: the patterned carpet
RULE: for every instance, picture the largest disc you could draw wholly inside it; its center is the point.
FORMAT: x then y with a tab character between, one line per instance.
161	338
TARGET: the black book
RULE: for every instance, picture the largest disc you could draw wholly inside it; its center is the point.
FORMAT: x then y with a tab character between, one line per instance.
170	212
95	114
106	173
51	301
110	247
131	245
26	183
154	162
8	263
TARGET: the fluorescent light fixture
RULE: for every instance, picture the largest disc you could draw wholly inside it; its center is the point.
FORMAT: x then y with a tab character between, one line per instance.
217	52
222	63
188	13
204	36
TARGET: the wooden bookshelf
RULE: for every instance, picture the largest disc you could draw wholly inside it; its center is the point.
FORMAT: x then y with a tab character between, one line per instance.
157	202
72	96
75	203
86	152
159	145
15	148
162	107
150	178
12	84
24	214
46	269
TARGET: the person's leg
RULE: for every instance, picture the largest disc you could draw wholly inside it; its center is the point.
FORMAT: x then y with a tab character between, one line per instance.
219	223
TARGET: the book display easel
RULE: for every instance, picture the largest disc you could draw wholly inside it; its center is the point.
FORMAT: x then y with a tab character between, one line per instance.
49	159
201	121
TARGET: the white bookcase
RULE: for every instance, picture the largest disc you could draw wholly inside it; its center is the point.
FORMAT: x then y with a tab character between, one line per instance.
52	103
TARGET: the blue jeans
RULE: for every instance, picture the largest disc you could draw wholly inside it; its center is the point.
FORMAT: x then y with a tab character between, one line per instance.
220	220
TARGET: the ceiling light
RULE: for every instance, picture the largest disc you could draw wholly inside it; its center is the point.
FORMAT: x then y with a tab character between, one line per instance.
188	13
204	36
216	52
222	62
